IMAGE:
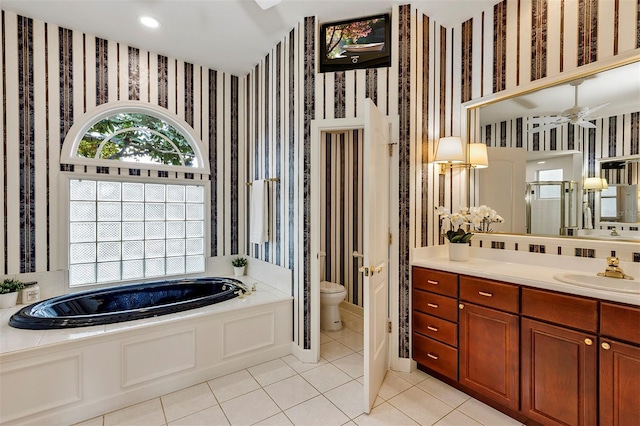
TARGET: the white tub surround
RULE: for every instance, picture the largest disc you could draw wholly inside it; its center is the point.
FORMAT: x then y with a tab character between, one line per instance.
65	376
529	269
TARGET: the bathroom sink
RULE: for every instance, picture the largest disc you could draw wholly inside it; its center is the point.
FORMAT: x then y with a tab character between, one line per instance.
602	283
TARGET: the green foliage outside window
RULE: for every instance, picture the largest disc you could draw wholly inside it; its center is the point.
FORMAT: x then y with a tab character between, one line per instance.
136	137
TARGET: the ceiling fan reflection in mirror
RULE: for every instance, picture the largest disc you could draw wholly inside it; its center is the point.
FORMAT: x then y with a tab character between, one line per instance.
576	115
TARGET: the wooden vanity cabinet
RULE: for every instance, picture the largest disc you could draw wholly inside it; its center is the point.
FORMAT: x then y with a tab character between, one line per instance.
559	363
619	364
619	383
435	320
554	358
489	340
559	374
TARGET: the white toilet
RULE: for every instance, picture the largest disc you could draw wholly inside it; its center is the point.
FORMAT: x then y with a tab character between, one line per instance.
331	294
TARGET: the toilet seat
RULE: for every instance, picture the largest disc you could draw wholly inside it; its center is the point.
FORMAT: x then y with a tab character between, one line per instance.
329	287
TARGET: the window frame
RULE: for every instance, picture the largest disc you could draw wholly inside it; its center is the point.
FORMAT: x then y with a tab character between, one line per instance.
80	128
67	156
547	183
65	224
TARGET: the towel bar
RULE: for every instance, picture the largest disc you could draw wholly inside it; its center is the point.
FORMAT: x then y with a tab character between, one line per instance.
275	179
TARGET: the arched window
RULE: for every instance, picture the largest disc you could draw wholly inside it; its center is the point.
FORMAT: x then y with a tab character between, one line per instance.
136	134
132	226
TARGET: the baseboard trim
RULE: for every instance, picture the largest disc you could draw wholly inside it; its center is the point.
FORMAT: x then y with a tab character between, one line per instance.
354	309
303	355
405	365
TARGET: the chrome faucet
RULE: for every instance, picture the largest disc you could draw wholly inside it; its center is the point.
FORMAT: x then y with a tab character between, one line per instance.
613	270
614	232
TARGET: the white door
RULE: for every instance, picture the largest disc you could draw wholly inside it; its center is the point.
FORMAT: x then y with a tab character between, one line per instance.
375	250
503	183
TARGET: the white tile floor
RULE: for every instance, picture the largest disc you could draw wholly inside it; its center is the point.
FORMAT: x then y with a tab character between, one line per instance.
286	391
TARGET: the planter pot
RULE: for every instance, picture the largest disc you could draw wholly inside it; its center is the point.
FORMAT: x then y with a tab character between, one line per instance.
459	252
238	271
8	300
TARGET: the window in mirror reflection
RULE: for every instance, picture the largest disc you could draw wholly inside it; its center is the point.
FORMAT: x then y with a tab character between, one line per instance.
608	209
549	191
619	203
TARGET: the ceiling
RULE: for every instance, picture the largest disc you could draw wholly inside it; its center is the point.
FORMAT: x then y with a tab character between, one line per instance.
226	35
619	88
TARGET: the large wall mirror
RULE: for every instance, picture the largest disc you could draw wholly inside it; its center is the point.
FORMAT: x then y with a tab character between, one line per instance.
564	160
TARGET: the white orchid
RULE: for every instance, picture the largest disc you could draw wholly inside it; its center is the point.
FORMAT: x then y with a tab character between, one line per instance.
484	217
455	222
477	218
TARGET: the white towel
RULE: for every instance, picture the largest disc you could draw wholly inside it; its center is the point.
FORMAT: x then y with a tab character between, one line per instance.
259	214
588	220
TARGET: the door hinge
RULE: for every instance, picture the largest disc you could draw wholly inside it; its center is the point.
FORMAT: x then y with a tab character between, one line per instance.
391	148
390	238
388	326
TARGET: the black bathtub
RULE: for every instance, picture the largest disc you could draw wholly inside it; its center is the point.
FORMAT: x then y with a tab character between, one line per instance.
124	303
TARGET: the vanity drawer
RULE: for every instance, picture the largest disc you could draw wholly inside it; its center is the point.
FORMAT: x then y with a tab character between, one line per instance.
621	322
436	305
436	328
436	356
572	311
439	282
504	297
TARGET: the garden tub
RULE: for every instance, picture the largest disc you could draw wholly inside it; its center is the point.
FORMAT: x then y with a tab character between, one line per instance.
125	303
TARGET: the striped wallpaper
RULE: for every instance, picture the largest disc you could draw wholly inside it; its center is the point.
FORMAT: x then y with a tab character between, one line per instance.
509	45
47	83
512	44
258	126
341	211
615	136
284	93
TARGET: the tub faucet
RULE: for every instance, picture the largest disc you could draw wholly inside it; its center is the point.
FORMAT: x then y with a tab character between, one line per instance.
613	270
244	290
614	232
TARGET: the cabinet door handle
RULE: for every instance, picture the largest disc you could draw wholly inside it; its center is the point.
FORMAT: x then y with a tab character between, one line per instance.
433	282
432	356
485	294
432	305
605	346
588	342
432	328
461	306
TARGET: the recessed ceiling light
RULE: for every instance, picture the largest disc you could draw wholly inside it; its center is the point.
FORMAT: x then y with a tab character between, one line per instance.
541	162
149	21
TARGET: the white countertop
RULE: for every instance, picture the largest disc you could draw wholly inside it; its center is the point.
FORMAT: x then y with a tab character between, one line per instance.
528	269
13	340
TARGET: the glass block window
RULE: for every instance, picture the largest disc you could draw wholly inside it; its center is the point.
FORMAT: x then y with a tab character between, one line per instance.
139	138
125	231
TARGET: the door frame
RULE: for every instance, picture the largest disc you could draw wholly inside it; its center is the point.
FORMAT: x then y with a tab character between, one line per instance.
341	124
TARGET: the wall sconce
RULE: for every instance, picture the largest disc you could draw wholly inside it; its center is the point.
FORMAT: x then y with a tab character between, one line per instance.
450	153
595	184
478	158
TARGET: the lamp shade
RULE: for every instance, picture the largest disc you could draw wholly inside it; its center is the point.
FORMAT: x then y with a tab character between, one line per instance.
478	155
595	183
449	150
